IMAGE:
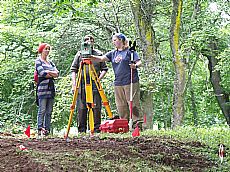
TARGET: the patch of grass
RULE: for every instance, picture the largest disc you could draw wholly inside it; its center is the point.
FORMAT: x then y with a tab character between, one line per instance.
211	137
103	160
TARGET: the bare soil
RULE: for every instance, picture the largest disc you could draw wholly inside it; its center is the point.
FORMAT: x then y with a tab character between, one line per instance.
101	154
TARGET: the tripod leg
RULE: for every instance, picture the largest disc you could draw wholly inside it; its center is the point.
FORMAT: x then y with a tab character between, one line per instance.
72	107
89	96
101	92
91	120
88	86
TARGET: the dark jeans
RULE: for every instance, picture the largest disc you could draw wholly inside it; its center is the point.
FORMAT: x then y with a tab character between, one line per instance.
83	111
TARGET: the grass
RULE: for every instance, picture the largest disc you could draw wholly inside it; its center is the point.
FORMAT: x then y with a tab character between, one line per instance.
210	136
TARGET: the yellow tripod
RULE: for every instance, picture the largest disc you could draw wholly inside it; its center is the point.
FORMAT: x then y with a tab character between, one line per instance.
88	77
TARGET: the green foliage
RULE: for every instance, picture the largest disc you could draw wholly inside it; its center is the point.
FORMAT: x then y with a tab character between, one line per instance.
63	24
63	99
223	67
108	87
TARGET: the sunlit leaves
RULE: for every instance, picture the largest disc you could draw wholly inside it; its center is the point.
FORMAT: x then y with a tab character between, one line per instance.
64	23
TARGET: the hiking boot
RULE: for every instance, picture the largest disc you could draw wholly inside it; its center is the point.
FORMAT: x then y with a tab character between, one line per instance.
42	132
39	132
45	132
40	135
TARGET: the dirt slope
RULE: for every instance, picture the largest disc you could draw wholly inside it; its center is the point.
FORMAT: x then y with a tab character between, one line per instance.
101	154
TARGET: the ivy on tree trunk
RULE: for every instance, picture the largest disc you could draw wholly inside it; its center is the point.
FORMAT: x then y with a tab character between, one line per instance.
142	12
179	81
143	20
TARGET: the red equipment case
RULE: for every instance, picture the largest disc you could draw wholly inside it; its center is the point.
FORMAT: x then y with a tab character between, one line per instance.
114	126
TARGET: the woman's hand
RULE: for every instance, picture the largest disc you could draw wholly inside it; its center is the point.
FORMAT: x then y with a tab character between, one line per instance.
133	66
51	74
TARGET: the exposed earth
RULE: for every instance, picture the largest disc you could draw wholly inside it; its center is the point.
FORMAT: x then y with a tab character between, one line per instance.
101	153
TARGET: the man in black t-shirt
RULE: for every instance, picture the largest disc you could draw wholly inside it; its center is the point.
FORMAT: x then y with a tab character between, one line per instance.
101	70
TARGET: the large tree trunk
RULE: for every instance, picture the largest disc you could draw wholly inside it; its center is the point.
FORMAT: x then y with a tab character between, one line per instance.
215	78
179	82
143	12
147	104
222	97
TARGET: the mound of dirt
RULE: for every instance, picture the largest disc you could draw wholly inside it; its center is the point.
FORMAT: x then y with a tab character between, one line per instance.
101	154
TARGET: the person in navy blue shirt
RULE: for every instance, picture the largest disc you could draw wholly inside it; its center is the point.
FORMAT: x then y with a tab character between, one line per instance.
121	63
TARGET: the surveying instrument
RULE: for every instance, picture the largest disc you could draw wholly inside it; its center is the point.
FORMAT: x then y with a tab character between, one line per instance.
88	78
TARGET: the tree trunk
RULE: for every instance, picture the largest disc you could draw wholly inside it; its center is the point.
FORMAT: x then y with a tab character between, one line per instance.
169	113
142	12
179	82
215	78
147	104
222	97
